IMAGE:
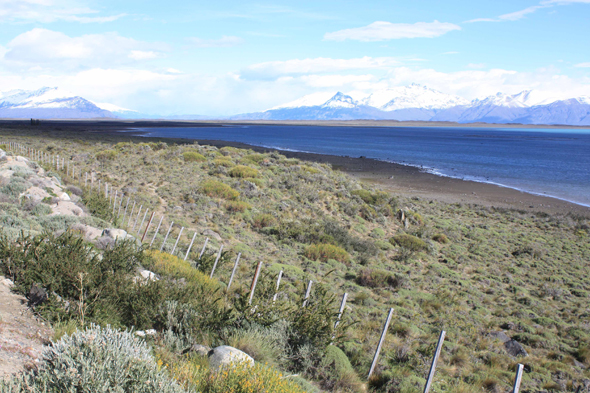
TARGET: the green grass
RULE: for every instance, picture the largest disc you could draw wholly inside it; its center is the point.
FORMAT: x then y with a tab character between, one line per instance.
467	269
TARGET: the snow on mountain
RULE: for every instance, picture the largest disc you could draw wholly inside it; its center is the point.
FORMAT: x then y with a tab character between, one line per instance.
412	96
48	102
340	100
315	99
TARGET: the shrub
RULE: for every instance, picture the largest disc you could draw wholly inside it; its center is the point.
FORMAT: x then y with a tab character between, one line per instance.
193	156
243	171
409	242
95	360
441	238
256	158
226	162
107	155
376	199
240	378
99	206
323	252
217	189
16	187
374	278
260	221
237	206
169	265
336	372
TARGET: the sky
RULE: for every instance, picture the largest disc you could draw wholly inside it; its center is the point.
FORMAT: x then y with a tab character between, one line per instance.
226	57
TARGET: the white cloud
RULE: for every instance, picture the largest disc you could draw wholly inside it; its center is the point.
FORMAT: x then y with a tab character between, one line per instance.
337	81
224	41
381	31
582	65
512	16
46	11
143	55
476	65
273	69
44	49
517	15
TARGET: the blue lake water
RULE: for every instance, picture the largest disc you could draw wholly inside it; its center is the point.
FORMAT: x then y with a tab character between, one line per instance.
542	161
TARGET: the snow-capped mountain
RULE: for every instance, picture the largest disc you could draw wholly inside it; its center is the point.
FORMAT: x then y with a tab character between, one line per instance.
416	102
412	96
48	103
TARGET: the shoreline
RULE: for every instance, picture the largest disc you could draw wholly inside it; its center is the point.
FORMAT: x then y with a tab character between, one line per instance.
401	179
412	181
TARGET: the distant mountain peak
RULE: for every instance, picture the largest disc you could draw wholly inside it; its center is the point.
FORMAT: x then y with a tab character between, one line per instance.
48	102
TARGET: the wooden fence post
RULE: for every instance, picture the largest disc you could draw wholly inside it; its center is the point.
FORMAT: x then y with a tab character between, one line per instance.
148	226
274	298
177	239
441	338
383	333
518	379
115	202
216	260
120	205
204	246
307	293
166	238
190	246
157	230
233	272
254	282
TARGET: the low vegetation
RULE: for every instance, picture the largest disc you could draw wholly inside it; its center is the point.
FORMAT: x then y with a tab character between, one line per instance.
469	270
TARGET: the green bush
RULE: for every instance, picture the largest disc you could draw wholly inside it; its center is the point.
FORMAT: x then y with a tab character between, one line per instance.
99	206
16	187
376	199
323	252
217	189
107	155
193	156
441	238
237	206
375	278
409	242
260	221
243	171
95	360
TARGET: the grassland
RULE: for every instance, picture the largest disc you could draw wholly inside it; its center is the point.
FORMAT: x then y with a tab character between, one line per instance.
467	269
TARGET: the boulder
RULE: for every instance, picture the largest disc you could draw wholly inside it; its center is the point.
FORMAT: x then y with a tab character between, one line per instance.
500	336
199	349
211	234
515	349
115	233
37	295
147	275
225	355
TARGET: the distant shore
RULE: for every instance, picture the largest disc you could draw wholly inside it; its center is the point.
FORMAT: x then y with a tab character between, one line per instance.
106	124
396	178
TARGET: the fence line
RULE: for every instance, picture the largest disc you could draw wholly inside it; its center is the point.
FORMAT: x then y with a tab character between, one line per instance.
70	171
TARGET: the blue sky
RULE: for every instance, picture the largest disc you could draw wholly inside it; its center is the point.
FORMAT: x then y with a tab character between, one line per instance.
226	57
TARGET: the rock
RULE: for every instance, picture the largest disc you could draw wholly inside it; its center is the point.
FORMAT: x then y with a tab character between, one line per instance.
146	274
508	325
199	349
226	356
210	233
64	197
500	336
37	295
2	154
579	364
514	348
21	159
149	332
7	282
115	233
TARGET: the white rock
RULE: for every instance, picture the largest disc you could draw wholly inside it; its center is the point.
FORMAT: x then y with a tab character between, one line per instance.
65	197
7	282
148	275
225	356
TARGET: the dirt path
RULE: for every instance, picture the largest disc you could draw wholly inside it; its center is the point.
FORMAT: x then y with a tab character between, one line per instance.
21	335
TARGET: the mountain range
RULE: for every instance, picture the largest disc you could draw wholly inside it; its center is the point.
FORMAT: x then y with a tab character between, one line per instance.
416	102
406	103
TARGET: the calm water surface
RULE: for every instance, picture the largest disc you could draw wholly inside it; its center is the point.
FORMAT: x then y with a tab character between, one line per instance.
549	162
